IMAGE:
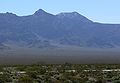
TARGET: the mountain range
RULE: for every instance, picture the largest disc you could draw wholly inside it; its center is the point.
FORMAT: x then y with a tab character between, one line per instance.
45	30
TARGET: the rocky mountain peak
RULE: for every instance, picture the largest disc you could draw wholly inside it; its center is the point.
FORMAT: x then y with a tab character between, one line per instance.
40	12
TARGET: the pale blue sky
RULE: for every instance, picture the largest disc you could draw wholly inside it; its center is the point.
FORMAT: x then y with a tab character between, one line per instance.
105	11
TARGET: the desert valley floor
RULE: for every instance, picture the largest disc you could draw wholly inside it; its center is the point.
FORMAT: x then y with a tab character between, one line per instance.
60	55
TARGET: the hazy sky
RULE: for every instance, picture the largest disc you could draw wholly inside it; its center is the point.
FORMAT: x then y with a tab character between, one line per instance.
105	11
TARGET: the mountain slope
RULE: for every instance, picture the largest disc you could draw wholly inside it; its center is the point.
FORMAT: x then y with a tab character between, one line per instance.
43	30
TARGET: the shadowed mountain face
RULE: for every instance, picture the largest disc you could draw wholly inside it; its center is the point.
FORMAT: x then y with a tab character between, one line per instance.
42	30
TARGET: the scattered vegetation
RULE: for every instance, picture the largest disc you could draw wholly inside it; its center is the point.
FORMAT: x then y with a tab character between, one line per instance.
60	73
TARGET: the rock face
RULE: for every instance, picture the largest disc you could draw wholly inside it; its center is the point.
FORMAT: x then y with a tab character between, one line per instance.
46	30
